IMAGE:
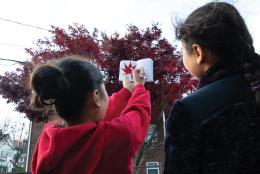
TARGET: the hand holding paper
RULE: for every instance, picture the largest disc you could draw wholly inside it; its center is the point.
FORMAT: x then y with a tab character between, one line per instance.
139	76
128	84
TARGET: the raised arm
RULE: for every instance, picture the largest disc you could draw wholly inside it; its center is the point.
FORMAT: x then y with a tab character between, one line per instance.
117	103
136	116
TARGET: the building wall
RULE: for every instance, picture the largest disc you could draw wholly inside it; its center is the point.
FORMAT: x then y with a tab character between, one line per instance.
156	155
35	133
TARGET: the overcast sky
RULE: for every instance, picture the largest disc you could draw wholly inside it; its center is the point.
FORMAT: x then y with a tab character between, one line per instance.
106	15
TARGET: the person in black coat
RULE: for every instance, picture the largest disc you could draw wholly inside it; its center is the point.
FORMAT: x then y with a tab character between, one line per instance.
216	130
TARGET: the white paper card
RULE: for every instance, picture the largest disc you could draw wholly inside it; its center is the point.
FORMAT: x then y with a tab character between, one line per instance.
126	67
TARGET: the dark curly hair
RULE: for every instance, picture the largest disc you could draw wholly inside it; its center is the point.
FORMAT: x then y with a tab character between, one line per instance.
218	27
64	84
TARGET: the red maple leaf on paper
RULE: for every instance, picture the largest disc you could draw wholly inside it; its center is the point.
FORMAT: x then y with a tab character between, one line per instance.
128	68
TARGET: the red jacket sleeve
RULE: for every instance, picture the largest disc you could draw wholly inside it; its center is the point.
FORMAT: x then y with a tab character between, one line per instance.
117	103
136	117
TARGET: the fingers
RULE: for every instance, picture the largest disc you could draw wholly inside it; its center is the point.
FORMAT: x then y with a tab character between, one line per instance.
126	78
139	76
128	84
142	70
141	73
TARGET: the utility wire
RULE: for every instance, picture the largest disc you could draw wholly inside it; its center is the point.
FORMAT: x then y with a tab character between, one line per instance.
27	25
12	60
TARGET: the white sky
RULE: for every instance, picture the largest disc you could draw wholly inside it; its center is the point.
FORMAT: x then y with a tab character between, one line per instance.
106	15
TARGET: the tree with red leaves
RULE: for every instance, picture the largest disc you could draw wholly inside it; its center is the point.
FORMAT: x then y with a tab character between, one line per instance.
171	78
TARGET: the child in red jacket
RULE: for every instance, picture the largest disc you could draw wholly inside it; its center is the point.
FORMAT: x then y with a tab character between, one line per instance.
100	135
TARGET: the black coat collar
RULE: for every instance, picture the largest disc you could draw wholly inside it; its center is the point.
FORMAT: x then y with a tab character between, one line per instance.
219	71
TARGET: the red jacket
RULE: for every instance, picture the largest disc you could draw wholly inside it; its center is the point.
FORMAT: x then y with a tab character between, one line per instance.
103	147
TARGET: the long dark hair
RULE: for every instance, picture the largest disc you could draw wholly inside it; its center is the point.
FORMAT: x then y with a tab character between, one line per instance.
64	84
219	27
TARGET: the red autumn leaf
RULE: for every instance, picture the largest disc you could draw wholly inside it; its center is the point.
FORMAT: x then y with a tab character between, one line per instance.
128	68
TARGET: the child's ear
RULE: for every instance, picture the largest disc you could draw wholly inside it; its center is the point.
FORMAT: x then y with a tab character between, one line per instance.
96	98
199	53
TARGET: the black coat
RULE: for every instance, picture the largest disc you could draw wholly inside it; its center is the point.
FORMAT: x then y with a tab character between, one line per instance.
215	130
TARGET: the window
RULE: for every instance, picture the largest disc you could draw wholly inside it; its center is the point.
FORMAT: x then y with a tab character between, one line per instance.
152	168
152	134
